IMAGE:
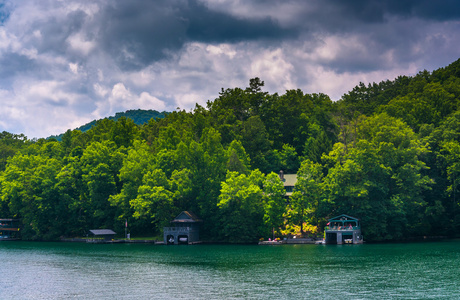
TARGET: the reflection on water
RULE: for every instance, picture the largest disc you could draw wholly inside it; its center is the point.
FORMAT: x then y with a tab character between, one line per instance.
121	271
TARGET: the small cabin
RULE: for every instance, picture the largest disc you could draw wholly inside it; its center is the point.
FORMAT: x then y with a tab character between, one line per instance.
101	235
9	229
343	229
186	230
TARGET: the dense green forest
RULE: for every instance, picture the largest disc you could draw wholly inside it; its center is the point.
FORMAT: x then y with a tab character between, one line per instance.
387	153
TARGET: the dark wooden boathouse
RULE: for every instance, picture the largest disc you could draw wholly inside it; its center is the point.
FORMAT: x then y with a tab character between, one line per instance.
343	229
9	229
186	230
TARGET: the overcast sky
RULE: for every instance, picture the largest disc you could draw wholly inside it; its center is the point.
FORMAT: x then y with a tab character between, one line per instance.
64	63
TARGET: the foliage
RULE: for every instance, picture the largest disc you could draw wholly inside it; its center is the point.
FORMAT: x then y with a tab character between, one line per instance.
307	196
240	208
274	202
387	153
380	179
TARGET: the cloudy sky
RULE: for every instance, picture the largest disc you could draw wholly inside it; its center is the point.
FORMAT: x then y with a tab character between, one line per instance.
64	63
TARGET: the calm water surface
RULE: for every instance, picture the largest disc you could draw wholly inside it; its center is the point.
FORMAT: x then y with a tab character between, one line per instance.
122	271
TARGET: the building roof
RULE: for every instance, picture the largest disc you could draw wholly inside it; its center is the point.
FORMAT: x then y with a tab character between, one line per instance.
289	179
102	232
343	217
186	216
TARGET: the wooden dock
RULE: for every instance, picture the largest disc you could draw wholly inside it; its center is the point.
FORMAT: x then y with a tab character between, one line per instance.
272	242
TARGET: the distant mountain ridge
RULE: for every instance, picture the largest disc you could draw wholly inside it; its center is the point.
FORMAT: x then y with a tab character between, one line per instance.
139	116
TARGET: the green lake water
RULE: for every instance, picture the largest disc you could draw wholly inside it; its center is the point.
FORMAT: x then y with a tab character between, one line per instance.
32	270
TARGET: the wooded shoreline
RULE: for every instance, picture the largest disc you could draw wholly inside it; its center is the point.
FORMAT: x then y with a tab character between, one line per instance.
387	153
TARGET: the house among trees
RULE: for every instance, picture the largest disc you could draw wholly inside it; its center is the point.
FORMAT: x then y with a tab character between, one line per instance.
343	229
186	229
289	181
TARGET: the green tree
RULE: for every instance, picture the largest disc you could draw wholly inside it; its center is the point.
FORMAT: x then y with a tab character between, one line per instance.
381	179
307	195
28	187
138	161
274	202
240	208
10	144
450	150
100	164
181	186
238	160
154	202
70	187
123	132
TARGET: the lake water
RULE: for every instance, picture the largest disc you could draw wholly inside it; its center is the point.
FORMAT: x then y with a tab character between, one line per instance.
32	270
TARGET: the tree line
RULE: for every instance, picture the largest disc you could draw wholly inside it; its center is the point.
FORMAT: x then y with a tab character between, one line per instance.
387	153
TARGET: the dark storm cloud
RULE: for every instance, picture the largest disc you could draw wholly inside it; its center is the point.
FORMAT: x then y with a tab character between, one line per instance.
55	32
137	33
12	64
338	16
382	34
441	10
375	10
77	60
216	27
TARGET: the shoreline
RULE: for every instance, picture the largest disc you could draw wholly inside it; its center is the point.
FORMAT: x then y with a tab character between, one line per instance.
298	241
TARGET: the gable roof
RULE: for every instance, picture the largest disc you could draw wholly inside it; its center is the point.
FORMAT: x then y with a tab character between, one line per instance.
102	232
343	217
186	216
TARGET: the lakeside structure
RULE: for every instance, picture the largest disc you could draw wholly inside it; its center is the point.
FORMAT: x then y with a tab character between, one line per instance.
9	229
343	229
186	230
101	236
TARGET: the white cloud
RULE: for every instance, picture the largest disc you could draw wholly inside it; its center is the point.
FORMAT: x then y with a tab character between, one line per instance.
8	41
73	68
120	98
273	67
80	44
119	92
100	90
147	101
222	49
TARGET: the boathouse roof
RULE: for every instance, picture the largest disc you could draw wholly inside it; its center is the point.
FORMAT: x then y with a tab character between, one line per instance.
343	217
102	232
186	216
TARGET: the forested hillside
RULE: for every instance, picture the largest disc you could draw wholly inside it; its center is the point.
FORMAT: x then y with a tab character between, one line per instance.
139	117
387	153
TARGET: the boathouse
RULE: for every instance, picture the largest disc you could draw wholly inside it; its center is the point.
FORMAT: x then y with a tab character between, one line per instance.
101	235
186	230
9	229
343	229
